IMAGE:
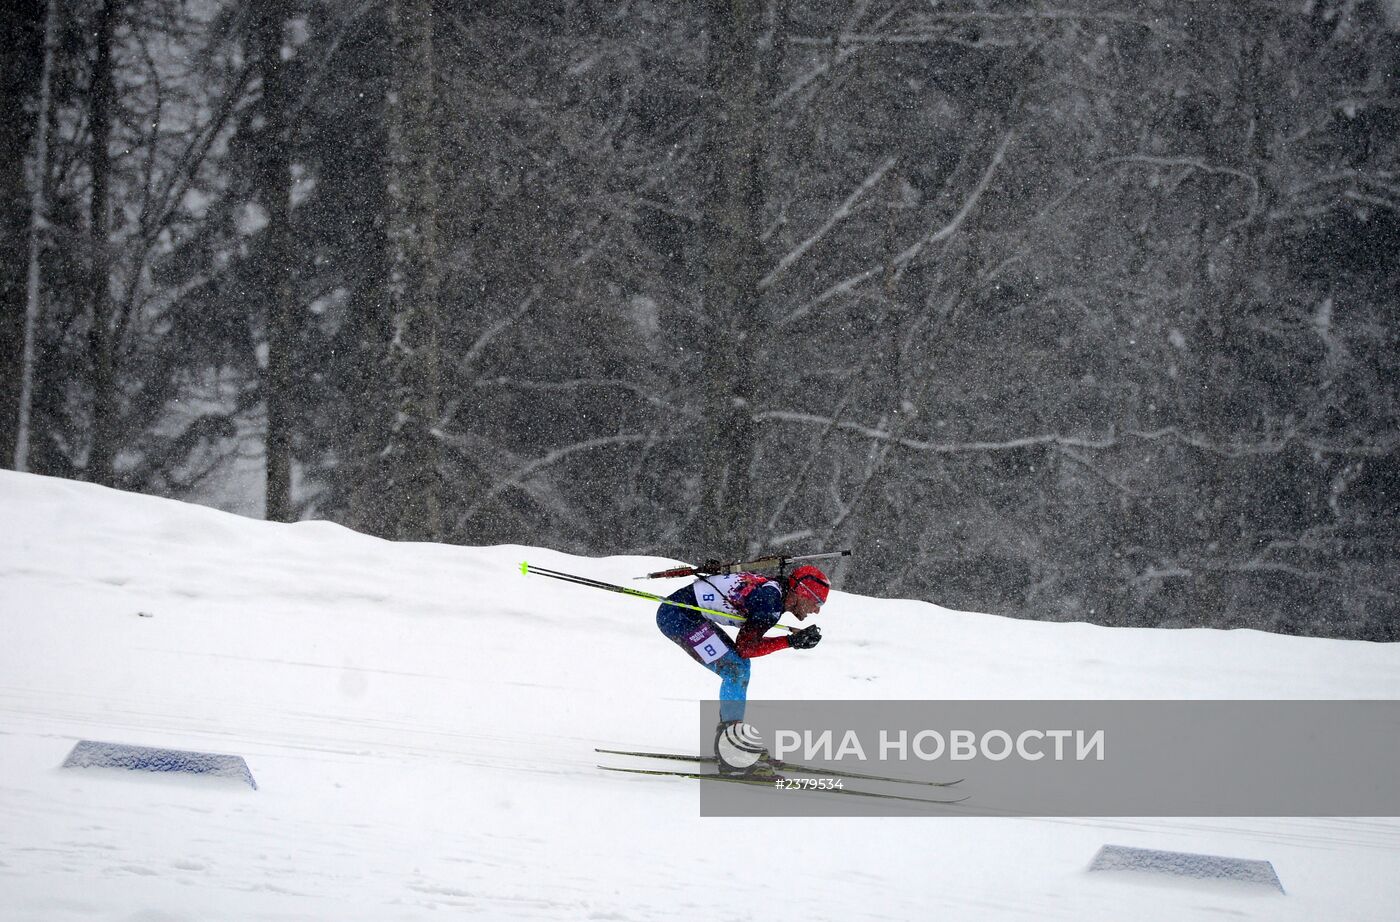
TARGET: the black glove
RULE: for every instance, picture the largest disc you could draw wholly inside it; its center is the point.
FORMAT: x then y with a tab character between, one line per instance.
805	639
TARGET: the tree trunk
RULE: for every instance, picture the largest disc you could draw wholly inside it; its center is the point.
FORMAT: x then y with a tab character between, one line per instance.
273	182
731	226
101	334
414	452
37	209
23	73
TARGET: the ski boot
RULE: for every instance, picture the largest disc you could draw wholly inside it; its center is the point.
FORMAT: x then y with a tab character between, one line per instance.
739	750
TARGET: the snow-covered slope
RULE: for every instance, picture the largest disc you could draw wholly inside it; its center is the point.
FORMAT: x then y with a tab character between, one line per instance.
421	721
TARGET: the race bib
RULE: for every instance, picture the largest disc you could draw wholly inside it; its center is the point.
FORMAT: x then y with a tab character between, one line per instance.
726	594
706	644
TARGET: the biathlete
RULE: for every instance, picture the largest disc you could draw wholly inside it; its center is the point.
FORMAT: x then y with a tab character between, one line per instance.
759	601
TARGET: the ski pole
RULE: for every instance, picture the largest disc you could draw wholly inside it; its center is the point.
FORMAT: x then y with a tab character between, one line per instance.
527	570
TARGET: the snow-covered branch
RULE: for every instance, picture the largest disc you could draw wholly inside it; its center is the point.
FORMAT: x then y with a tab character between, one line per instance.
843	52
949	229
902	261
1383	445
845	286
517	477
836	217
1198	164
884	435
1238	448
574	385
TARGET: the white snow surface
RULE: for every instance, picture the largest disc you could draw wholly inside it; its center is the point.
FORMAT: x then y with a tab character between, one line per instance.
421	722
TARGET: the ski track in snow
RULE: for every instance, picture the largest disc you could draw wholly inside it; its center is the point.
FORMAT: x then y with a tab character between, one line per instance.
421	723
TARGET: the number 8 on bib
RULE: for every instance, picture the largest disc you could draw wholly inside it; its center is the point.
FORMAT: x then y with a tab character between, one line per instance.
707	645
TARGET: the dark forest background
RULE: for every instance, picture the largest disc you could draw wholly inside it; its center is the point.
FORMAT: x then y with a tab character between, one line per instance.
1072	311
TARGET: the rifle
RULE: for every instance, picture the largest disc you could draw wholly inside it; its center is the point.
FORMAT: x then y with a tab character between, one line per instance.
779	562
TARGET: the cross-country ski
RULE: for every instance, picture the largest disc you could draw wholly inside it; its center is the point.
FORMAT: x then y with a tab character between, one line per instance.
783	765
777	784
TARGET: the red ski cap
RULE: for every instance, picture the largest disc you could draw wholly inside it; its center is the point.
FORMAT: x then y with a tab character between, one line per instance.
810	580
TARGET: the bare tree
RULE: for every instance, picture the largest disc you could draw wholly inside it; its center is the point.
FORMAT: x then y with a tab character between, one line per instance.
102	353
37	209
414	453
19	85
731	226
272	181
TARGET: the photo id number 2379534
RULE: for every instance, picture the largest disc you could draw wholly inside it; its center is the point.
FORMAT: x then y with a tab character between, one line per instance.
808	784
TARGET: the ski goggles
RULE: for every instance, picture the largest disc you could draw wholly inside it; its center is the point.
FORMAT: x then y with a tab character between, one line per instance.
820	593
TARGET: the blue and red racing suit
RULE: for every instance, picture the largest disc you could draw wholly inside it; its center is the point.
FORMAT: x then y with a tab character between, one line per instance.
753	597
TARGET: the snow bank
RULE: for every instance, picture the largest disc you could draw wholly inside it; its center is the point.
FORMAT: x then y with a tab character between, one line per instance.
421	720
